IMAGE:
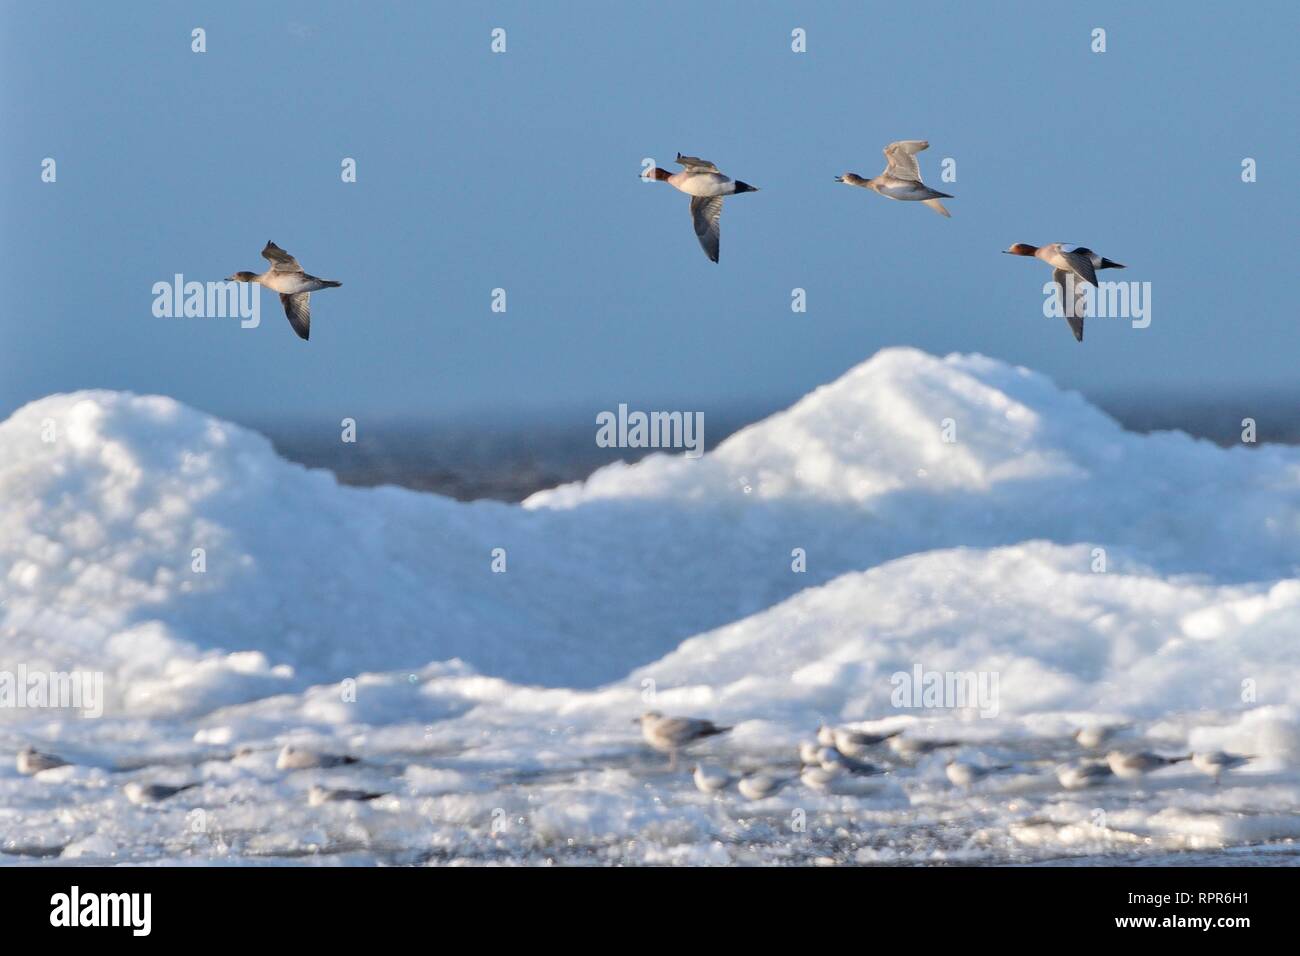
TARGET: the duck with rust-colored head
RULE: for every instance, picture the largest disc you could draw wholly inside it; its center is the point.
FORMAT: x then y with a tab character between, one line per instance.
706	186
1073	267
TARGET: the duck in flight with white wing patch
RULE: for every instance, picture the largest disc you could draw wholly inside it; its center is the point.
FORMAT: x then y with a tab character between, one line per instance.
295	286
706	186
1073	268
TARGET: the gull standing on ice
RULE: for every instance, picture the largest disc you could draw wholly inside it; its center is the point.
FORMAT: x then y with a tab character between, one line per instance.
851	743
295	286
706	186
836	779
1217	762
143	793
819	778
1135	765
301	758
670	734
710	778
963	774
31	761
1066	261
901	178
1089	773
831	759
760	784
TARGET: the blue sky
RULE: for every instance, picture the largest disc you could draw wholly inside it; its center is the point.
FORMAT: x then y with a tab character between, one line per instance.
519	170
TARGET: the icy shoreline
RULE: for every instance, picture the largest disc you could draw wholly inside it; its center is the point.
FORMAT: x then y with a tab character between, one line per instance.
494	708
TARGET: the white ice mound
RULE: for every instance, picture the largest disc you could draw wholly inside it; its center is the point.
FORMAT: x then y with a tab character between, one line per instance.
105	497
1060	637
879	429
969	450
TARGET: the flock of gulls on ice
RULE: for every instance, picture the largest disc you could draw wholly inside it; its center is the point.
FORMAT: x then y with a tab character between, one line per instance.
291	757
834	761
1074	268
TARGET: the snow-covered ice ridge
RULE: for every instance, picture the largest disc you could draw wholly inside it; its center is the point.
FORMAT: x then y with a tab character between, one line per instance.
494	709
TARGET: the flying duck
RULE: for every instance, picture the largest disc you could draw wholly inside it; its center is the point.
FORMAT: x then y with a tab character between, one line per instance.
295	286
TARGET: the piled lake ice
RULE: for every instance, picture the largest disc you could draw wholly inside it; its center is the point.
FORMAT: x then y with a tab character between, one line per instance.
956	515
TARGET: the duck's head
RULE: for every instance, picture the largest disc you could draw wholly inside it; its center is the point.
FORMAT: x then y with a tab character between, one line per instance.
1021	249
242	277
656	175
851	179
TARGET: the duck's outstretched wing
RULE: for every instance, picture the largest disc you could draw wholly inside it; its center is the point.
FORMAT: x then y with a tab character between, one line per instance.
901	161
280	260
706	212
1081	265
1073	305
298	309
1099	262
694	162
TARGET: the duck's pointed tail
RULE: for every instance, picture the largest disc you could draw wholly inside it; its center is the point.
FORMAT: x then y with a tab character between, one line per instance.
938	207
